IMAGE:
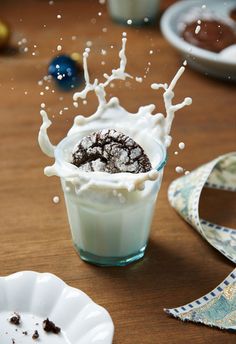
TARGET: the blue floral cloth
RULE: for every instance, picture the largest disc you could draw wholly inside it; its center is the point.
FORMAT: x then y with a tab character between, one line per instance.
217	308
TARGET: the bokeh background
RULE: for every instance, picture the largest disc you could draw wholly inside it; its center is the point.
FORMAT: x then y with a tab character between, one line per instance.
34	234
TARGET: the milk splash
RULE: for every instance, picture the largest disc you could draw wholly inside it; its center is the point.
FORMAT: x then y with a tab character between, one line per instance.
110	114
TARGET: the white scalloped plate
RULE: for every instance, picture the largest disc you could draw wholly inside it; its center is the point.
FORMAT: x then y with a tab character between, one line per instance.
37	296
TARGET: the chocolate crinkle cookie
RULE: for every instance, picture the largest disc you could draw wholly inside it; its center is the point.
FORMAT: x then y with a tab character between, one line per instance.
110	151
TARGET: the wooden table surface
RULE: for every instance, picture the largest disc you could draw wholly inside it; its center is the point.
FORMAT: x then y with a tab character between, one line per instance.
179	266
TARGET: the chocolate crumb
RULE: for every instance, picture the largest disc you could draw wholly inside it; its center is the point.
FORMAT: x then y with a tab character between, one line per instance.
110	151
15	319
35	335
49	326
25	333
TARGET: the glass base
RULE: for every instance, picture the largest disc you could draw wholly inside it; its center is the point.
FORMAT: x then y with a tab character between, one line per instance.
110	261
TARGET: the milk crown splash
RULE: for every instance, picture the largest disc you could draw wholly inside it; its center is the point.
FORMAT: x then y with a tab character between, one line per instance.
110	114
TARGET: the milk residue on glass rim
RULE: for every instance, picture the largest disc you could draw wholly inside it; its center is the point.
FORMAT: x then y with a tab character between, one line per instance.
109	114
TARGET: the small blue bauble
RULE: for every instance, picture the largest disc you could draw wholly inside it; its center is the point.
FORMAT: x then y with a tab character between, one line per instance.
66	72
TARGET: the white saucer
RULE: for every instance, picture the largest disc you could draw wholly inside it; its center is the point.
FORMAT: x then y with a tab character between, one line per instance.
37	296
207	62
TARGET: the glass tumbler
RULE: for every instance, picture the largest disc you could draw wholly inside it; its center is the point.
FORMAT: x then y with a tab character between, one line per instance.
140	12
111	227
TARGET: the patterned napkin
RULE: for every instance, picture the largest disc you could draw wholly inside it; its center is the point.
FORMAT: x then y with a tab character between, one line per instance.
217	308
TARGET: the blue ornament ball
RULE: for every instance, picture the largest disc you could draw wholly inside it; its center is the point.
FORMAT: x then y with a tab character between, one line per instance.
66	72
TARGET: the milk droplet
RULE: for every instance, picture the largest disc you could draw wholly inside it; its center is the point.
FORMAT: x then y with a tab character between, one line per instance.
199	22
186	172
188	101
56	199
58	16
198	29
103	63
176	153
179	169
59	47
104	29
46	88
181	145
129	21
26	49
26	93
40	82
42	105
99	14
46	77
85	102
203	7
51	2
139	79
41	93
24	40
73	38
151	52
89	43
146	20
59	77
75	104
103	52
102	2
124	34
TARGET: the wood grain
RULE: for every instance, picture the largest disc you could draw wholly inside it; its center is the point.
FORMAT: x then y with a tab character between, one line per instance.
179	265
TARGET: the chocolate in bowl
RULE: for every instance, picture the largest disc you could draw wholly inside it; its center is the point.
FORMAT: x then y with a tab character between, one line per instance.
213	35
232	14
